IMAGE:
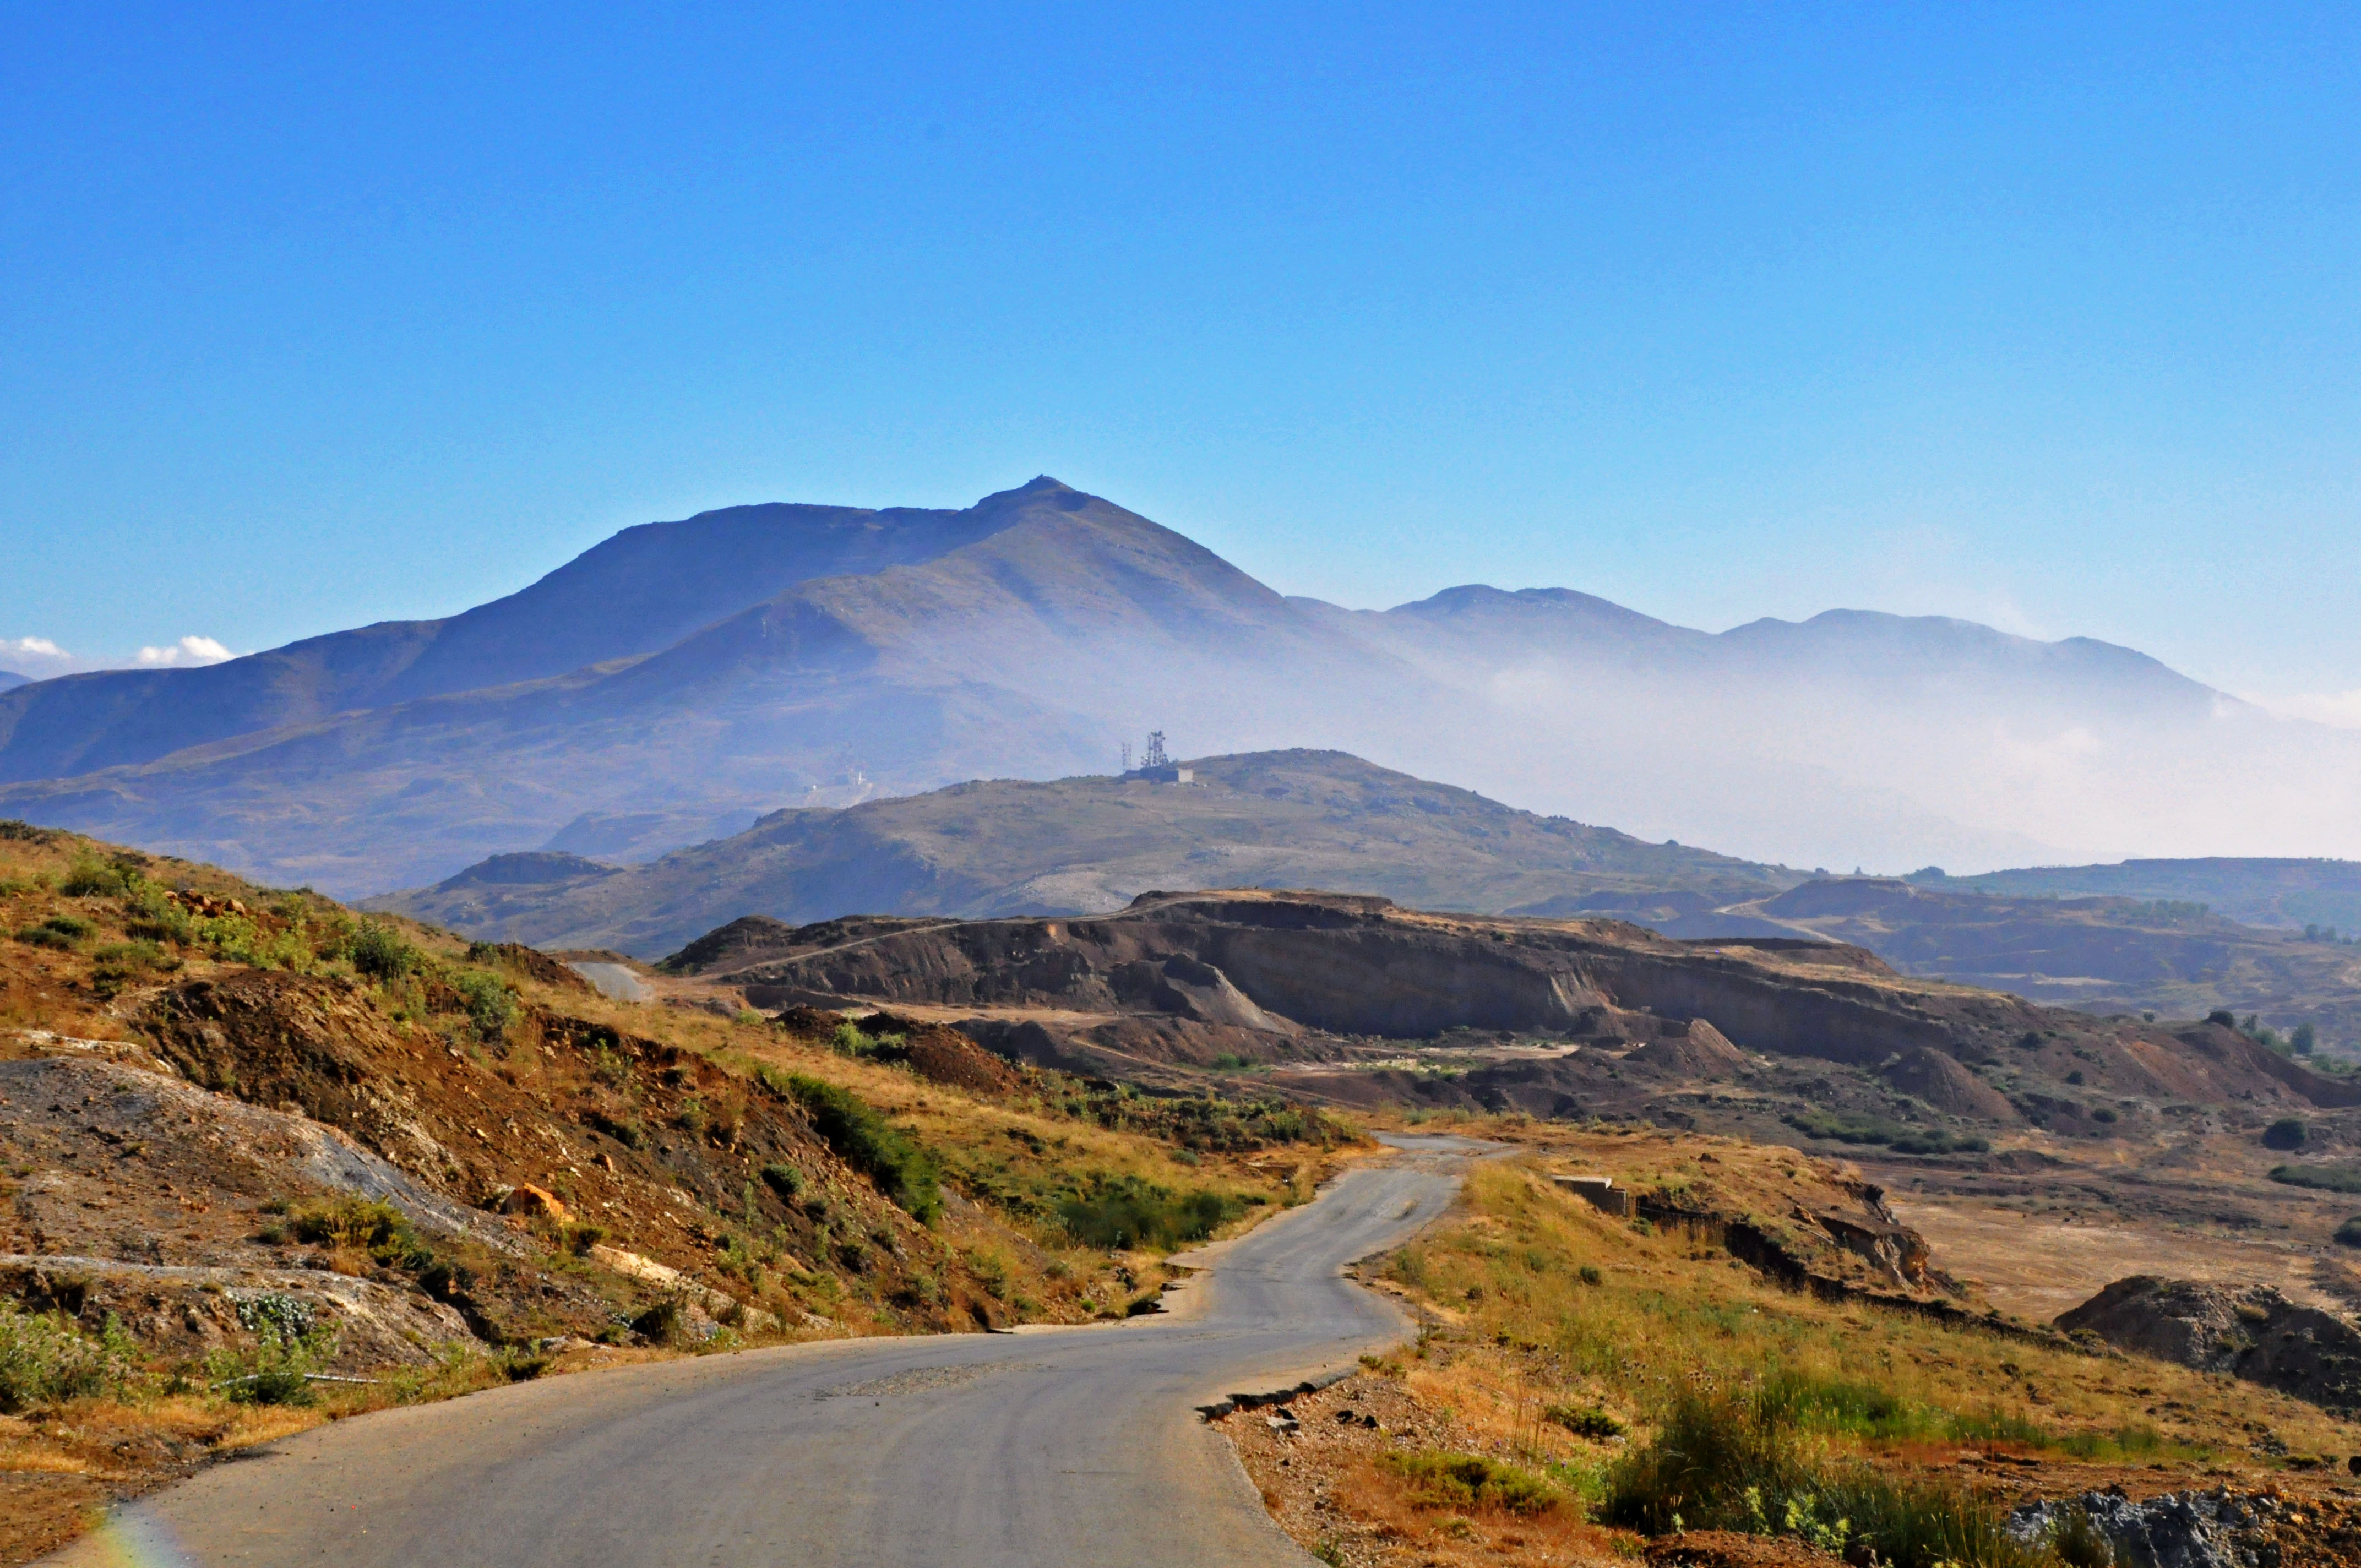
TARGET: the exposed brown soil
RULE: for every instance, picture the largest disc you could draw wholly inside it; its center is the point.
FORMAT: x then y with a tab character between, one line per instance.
1320	1463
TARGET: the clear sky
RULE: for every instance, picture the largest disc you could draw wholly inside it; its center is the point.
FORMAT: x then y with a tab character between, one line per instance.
2047	316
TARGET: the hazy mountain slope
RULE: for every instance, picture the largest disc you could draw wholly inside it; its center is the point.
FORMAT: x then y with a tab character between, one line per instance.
1025	651
1042	624
10	680
2106	954
643	589
2256	891
1085	845
1854	737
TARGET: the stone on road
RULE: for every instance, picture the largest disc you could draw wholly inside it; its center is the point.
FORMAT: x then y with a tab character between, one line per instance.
1038	1450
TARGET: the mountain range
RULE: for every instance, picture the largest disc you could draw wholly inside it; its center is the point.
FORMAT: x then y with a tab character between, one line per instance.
680	680
10	679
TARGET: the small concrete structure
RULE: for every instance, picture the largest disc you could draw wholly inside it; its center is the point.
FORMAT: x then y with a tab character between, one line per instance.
1600	1192
1164	775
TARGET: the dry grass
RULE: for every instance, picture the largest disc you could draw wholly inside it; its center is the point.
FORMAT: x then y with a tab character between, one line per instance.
1515	1326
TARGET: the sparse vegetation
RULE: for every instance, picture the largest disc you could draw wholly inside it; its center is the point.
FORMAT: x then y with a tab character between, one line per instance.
1898	1137
45	1359
2321	1177
1126	1212
903	1170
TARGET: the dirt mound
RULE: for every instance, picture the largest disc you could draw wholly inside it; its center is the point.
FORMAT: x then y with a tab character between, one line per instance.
1689	1048
2249	1332
946	1055
729	946
1936	1078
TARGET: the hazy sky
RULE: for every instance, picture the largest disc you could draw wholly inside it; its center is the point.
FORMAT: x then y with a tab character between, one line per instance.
315	315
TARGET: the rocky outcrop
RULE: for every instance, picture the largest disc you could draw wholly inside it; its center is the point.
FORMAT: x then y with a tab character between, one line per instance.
1353	965
2248	1332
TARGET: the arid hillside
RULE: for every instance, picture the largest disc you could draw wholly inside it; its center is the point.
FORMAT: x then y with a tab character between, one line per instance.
266	1162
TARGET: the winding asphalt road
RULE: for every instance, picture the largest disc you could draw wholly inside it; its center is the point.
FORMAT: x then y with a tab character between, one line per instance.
1036	1449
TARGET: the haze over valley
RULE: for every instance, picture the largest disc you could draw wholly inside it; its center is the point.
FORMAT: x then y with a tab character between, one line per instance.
677	681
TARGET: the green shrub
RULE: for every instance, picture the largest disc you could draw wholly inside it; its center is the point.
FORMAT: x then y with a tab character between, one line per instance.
1128	1211
1739	1462
1584	1420
491	1006
90	876
2321	1177
278	1371
45	1359
783	1179
379	951
864	1140
364	1224
43	935
1471	1481
2286	1133
1850	1128
2349	1232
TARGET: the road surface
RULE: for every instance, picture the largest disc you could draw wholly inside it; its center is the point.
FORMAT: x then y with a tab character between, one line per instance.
1036	1449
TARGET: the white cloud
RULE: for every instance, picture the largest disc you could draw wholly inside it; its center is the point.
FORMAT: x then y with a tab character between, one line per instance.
2340	709
186	652
33	650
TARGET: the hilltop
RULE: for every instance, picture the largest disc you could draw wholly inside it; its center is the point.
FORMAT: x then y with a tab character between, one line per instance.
682	679
1089	845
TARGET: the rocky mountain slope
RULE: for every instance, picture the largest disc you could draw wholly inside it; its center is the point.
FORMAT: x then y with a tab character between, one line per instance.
681	680
1352	999
1089	845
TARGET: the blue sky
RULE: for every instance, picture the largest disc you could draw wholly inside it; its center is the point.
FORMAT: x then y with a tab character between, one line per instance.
313	316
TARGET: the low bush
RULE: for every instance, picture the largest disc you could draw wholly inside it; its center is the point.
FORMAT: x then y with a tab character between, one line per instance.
2321	1177
360	1225
783	1179
1722	1461
2285	1135
277	1370
902	1169
1466	1481
1128	1211
90	876
379	951
2349	1232
1851	1128
491	1006
1592	1421
45	1358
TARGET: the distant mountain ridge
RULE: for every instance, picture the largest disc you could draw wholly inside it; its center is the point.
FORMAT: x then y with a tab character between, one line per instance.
1084	846
681	680
10	680
639	591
